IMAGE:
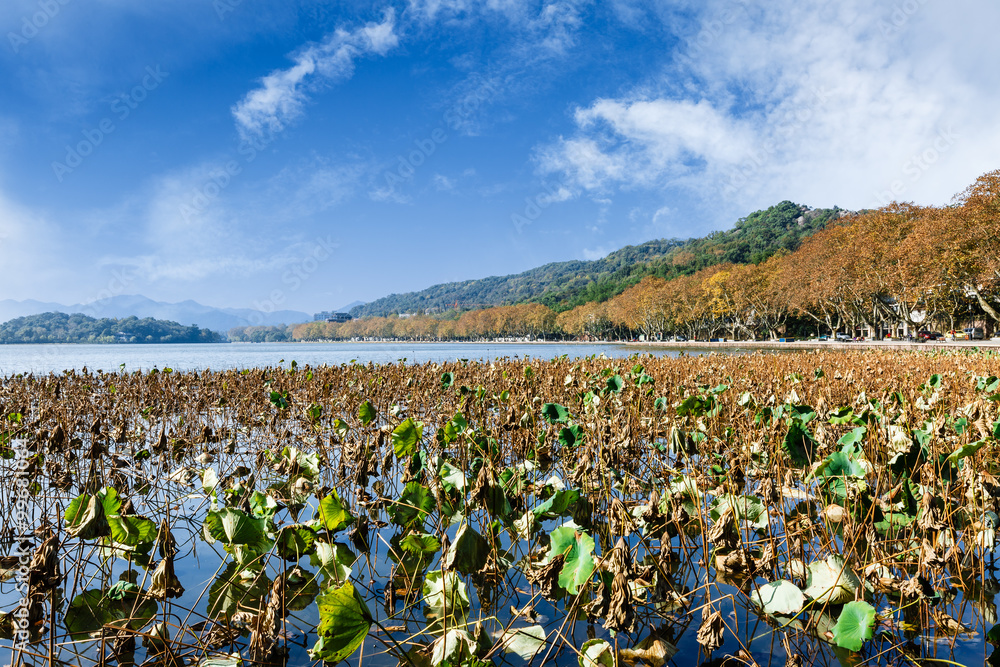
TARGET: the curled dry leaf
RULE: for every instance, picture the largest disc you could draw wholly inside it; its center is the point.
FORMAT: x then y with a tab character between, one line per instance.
710	633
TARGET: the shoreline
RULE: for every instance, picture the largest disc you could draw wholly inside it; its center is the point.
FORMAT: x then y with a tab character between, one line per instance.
822	345
748	345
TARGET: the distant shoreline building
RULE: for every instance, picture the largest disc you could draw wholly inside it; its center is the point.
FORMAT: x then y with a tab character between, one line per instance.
333	317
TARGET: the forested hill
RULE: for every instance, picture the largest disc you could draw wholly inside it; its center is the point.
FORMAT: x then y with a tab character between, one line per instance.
78	328
564	285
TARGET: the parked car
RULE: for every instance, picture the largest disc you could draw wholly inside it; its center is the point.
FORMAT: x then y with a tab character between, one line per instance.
930	335
843	338
974	333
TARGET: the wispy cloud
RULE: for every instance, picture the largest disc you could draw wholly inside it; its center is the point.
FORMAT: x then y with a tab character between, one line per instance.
282	93
823	104
250	229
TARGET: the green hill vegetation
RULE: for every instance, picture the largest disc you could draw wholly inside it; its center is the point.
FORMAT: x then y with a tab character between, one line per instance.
79	328
565	285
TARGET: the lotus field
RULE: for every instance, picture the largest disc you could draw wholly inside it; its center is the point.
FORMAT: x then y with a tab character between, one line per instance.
801	508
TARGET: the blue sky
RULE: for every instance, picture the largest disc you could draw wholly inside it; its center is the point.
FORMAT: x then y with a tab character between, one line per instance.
305	154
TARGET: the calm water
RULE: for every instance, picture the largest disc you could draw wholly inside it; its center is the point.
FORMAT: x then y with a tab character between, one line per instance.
56	358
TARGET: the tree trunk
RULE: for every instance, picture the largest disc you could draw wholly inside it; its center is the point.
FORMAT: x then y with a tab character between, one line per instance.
984	304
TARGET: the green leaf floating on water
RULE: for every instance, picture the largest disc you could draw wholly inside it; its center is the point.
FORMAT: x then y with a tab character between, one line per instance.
570	436
85	518
446	600
262	506
237	588
745	508
91	610
333	515
132	530
850	442
842	415
420	543
295	541
578	549
367	413
234	526
855	625
334	561
301	588
454	647
209	480
452	478
837	471
560	503
299	463
344	622
233	660
779	598
523	642
413	506
831	581
406	438
468	553
615	384
597	653
799	445
555	413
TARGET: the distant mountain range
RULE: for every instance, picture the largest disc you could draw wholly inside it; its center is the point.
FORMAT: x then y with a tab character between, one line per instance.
563	285
188	313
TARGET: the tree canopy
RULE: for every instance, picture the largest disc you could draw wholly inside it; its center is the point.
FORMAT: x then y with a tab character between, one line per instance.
79	328
927	267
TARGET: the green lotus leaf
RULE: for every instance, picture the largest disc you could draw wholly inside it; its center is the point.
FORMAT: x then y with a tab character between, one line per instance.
406	438
413	506
86	519
446	600
855	625
523	642
597	653
831	581
344	622
779	598
578	549
555	413
468	553
333	515
367	413
295	541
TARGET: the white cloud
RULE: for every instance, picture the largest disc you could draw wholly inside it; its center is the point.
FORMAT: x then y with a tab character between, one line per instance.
559	194
556	26
599	252
427	11
243	228
31	252
443	183
813	101
282	93
644	140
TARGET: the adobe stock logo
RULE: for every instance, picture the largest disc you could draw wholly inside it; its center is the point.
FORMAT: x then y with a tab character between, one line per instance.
32	24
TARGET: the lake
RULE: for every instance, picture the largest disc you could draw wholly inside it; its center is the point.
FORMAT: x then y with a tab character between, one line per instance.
56	358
